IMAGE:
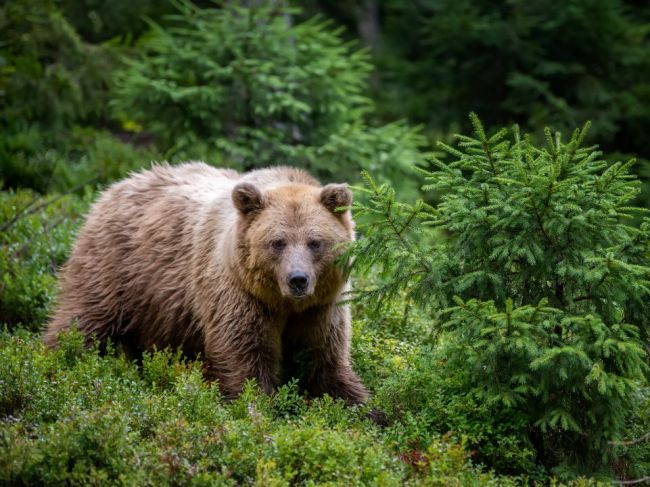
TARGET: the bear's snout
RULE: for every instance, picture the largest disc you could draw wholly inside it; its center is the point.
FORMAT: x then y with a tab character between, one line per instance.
298	283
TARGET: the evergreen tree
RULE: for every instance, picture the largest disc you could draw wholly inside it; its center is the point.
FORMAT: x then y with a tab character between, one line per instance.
245	87
537	277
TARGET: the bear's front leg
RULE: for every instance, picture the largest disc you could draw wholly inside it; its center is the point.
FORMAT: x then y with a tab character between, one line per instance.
243	344
325	331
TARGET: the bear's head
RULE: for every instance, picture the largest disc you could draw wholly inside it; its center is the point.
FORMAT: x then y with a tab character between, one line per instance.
289	238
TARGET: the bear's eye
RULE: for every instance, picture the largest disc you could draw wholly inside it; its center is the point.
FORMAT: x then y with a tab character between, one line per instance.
278	244
314	244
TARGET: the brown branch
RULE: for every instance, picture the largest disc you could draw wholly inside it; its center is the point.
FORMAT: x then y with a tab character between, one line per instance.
592	289
540	224
633	441
632	482
583	298
547	201
23	248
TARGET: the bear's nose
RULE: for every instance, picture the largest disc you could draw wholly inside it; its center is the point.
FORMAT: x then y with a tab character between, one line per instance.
298	282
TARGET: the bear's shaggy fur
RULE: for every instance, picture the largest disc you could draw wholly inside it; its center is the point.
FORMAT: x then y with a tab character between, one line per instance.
236	267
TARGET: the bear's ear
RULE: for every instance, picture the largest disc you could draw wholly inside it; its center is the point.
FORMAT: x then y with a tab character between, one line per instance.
334	196
247	198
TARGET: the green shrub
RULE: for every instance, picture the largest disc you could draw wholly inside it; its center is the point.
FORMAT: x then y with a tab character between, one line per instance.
536	249
82	156
36	234
345	457
20	373
85	448
50	81
49	75
78	417
96	158
245	87
429	398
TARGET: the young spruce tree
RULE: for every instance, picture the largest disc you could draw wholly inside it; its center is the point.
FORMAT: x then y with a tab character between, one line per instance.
538	277
247	86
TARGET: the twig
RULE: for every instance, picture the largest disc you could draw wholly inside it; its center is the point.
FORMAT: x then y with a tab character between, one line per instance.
540	224
19	213
632	482
633	441
53	223
404	242
593	288
28	210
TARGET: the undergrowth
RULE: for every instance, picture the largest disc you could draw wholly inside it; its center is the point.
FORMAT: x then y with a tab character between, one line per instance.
76	417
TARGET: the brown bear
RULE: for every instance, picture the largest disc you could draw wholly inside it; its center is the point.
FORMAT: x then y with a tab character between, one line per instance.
237	267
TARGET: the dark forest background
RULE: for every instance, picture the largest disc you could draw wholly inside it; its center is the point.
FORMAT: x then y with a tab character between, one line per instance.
66	89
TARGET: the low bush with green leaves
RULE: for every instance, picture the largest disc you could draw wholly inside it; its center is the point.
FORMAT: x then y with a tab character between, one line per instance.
51	82
536	275
75	417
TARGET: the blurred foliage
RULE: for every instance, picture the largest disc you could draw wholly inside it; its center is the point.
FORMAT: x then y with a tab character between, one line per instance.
50	76
246	87
36	235
290	90
529	62
97	21
86	158
522	61
538	283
